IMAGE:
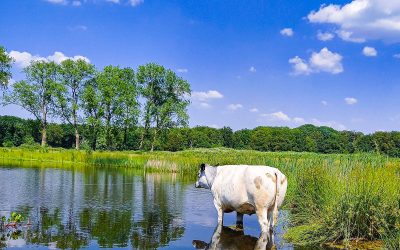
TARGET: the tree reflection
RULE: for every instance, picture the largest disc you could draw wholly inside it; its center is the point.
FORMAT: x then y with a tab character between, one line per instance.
112	208
160	222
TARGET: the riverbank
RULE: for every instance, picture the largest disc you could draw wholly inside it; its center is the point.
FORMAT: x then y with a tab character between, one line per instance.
331	198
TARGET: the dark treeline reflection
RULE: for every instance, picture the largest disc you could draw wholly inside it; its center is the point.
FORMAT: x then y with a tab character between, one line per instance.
95	208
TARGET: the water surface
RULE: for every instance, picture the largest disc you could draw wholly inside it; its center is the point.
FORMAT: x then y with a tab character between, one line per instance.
117	208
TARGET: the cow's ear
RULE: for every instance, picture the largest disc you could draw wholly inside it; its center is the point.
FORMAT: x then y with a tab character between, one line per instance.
202	167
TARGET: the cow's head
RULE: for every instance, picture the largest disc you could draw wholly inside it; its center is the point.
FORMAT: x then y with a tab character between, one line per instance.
201	178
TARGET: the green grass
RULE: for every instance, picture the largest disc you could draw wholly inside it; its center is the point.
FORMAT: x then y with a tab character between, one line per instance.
337	198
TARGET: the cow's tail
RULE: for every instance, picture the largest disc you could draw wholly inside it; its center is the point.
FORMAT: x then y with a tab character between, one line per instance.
277	185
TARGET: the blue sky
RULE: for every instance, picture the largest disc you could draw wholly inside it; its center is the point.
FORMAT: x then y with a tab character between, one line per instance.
250	63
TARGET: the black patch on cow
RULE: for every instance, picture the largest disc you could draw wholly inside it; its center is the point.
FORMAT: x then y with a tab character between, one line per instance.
202	167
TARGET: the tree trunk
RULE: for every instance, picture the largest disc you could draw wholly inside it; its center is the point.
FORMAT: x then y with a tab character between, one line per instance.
154	139
44	125
44	137
76	139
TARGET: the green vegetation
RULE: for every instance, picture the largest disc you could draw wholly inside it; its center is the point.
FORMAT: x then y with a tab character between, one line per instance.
5	68
126	136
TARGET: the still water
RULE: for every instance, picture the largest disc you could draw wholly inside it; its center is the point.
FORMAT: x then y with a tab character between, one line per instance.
117	208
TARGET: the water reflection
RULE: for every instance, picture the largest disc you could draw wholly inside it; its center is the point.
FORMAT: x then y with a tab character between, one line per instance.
227	238
93	208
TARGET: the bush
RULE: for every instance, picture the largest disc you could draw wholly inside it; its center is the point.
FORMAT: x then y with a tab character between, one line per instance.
8	144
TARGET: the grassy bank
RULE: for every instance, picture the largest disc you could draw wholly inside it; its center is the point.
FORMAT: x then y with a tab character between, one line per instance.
331	198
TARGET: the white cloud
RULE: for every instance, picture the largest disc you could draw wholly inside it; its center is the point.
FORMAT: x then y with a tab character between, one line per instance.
325	61
325	103
296	121
300	67
204	96
182	70
277	116
204	105
348	36
253	110
325	36
135	2
299	120
234	107
78	28
23	59
287	32
359	20
332	124
252	69
76	3
214	126
350	100
370	51
57	1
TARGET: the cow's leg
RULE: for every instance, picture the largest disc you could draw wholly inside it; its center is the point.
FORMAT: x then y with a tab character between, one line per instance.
239	220
265	241
262	214
220	213
271	219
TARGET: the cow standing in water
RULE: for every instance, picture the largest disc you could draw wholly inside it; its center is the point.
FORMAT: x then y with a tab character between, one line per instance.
246	190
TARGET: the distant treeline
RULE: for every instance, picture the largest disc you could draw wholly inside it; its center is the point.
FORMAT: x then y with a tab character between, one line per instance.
307	138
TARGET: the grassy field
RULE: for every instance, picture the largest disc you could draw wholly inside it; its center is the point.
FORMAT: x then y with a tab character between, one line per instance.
342	199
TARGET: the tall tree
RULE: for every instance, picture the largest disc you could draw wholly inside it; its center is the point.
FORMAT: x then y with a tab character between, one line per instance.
5	67
93	110
118	92
37	93
166	100
129	113
73	75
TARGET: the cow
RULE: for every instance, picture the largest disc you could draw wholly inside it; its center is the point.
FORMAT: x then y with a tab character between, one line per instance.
245	189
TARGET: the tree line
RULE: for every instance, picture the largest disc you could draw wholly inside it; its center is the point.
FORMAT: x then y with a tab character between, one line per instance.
307	138
102	107
122	109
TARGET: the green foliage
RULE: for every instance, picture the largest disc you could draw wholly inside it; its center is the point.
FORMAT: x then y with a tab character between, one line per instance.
37	93
5	67
72	76
166	99
8	144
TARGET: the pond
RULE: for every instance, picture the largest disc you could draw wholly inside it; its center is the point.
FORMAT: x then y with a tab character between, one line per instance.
117	208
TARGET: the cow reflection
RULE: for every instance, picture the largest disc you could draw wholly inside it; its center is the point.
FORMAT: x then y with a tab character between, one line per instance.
227	238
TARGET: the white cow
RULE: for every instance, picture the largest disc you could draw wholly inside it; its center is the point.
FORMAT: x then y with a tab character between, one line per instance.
246	190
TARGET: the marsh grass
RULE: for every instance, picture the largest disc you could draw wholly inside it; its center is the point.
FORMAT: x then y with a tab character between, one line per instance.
332	198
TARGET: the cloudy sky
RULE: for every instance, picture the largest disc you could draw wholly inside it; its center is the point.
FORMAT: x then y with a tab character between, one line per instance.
250	63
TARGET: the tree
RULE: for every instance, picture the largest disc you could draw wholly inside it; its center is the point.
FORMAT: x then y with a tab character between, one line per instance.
227	135
72	75
5	67
118	93
37	93
93	110
128	94
166	99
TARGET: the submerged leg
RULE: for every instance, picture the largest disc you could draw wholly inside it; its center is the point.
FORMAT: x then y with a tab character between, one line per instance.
271	220
239	220
220	213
